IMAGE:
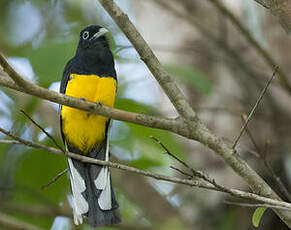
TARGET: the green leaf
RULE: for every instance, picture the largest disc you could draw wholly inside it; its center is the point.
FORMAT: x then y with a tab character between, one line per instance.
190	75
258	215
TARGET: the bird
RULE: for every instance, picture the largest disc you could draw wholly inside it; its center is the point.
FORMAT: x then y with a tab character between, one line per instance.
90	76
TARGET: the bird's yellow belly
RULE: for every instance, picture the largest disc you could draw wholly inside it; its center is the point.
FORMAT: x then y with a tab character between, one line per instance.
83	130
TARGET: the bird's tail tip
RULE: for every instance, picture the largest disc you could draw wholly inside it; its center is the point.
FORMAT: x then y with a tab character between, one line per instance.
110	217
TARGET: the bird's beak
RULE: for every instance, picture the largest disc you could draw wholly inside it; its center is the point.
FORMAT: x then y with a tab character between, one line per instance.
100	33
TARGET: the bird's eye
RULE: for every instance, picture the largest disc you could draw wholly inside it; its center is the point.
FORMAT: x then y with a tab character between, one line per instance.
85	35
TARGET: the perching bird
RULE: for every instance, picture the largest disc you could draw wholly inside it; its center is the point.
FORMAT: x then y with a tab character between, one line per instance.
90	76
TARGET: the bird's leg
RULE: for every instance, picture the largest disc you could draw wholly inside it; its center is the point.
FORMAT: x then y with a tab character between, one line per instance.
99	103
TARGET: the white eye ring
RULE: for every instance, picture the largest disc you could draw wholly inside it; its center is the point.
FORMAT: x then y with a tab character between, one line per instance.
85	35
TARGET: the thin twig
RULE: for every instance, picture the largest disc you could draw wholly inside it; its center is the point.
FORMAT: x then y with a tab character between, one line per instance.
255	205
43	130
54	179
171	154
254	108
195	173
189	176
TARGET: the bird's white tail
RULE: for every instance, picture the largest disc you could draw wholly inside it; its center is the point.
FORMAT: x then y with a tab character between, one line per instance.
92	191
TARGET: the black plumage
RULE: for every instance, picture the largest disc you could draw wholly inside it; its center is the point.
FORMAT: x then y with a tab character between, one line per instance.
93	56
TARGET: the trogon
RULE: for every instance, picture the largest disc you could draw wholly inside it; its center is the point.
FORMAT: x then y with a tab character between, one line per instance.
90	75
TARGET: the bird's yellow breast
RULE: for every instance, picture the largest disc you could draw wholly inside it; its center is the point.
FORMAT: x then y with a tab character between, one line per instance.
83	130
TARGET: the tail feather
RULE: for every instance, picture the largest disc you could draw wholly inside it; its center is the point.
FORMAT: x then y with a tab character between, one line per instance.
98	216
78	188
92	190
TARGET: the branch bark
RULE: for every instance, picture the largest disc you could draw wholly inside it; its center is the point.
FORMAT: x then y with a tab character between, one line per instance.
136	118
281	9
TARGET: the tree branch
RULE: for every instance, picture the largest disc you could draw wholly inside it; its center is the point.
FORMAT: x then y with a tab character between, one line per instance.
136	118
189	182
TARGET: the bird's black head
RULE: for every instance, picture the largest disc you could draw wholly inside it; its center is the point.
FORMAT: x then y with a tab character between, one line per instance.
93	55
93	37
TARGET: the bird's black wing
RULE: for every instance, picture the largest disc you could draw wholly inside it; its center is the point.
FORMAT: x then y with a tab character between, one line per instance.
66	76
63	86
